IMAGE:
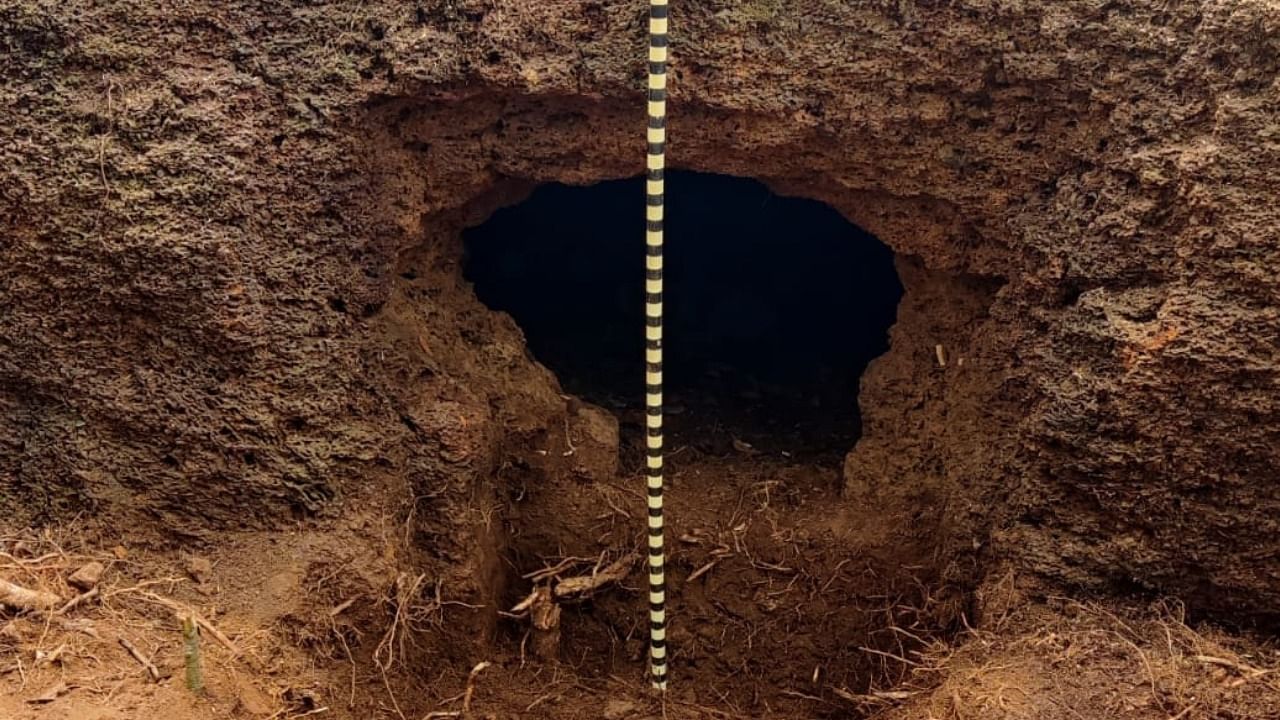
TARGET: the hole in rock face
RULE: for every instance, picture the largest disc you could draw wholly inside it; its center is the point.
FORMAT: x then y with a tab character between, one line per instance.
774	306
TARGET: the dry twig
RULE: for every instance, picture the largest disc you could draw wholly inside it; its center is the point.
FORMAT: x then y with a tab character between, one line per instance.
77	601
152	670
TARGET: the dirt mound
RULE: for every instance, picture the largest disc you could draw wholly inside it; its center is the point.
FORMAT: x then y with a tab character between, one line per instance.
1069	659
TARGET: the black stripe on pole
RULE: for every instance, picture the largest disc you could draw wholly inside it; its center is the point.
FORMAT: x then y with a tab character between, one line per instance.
656	148
658	11
653	250
653	412
653	225
657	39
657	94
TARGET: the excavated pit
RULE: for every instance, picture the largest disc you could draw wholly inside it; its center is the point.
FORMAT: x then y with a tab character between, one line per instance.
812	504
774	307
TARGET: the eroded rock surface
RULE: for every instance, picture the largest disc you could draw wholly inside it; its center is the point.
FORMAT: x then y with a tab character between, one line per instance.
231	288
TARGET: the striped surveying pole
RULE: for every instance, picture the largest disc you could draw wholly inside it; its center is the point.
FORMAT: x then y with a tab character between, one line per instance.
657	136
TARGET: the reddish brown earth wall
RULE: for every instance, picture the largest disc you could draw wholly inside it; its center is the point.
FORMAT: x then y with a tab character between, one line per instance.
232	296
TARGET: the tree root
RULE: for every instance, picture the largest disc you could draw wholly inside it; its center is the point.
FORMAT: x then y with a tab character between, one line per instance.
21	598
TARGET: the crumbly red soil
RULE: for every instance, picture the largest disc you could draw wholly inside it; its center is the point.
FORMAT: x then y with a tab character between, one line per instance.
208	209
308	610
787	609
233	313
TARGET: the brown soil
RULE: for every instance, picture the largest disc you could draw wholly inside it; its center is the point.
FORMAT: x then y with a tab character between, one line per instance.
764	634
235	325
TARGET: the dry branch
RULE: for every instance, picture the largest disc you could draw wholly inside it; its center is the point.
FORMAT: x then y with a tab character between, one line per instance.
152	670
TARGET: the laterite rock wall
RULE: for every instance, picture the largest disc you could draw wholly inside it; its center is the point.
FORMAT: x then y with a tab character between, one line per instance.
231	294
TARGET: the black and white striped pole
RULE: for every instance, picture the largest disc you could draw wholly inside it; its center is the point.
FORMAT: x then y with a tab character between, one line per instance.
655	163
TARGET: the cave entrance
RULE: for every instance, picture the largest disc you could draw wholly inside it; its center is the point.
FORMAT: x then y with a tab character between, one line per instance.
774	306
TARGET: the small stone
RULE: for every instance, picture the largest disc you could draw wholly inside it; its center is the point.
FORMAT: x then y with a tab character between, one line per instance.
87	577
120	552
619	709
199	568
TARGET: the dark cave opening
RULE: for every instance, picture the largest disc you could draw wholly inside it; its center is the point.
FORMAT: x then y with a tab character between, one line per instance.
774	305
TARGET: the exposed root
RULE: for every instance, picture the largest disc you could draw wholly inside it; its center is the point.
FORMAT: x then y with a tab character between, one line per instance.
471	685
581	587
391	648
1072	659
77	601
20	598
467	695
152	671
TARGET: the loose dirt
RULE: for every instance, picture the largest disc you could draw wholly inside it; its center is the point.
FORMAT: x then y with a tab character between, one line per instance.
776	628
